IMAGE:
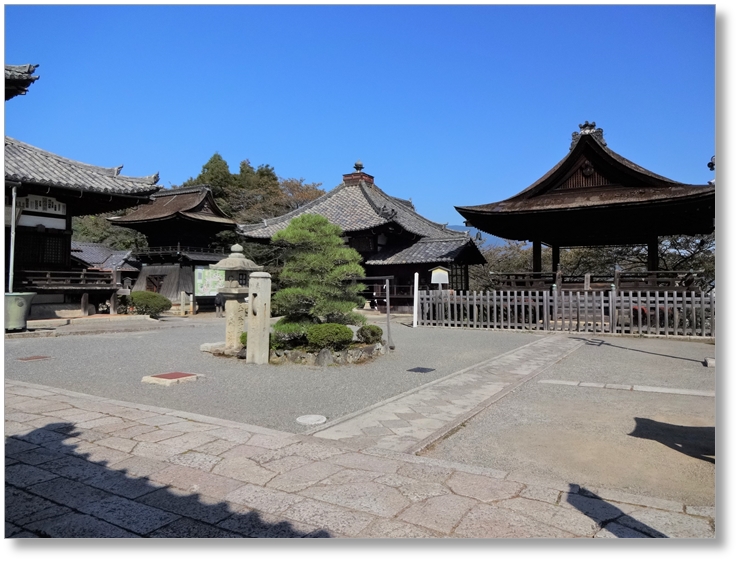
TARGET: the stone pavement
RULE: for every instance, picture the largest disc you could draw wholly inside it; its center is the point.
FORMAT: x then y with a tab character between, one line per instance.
413	420
83	466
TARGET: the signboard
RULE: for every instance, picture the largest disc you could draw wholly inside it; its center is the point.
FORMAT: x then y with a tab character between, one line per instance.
439	275
208	281
41	204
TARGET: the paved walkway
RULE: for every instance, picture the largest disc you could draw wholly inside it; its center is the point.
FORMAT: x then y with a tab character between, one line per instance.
415	419
84	466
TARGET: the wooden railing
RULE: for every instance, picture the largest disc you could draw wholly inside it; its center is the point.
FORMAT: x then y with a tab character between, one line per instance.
42	280
620	280
660	313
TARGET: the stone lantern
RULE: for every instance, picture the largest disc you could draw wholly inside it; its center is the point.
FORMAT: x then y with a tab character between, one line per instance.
237	270
236	293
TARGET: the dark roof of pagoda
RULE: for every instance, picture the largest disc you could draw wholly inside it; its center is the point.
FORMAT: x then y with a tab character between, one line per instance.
193	202
356	205
27	164
100	256
591	175
18	78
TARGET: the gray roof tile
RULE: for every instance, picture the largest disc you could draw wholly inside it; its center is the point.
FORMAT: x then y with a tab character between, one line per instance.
361	206
28	164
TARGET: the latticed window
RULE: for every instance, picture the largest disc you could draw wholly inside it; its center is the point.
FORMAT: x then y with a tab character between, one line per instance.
363	244
35	250
458	278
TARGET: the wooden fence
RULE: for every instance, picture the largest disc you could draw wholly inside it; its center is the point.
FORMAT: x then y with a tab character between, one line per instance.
662	313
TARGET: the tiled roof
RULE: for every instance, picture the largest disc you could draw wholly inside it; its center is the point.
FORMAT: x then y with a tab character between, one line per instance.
102	257
361	206
18	78
195	202
426	250
354	208
28	164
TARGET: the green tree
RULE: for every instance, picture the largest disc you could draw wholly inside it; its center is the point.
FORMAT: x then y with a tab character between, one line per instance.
215	173
95	228
253	194
320	272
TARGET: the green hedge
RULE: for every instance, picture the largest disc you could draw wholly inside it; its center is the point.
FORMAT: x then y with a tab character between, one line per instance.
288	335
369	334
332	336
148	303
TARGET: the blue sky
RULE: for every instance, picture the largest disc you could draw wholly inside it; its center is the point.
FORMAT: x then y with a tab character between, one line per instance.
447	105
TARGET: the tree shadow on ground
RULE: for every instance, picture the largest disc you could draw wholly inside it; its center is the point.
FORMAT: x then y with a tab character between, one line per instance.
696	442
608	516
52	490
598	343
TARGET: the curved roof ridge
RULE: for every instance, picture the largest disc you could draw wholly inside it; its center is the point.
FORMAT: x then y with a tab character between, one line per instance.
638	168
168	192
294	213
441	228
113	172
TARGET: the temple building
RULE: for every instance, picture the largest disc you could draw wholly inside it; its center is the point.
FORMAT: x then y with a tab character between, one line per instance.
596	197
180	226
392	238
50	190
47	190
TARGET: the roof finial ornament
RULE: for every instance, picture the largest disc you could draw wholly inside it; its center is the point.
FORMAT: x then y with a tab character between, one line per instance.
358	166
590	130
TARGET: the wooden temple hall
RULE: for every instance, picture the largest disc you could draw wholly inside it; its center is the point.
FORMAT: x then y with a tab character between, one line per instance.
392	238
596	197
46	190
180	226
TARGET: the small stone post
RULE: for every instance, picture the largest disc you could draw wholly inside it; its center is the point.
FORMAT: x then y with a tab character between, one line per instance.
260	293
183	301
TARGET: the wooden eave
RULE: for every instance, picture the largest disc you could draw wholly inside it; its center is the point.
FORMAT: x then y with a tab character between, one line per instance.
617	202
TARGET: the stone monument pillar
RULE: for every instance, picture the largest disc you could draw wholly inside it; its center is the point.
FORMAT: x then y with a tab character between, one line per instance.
235	292
235	319
260	292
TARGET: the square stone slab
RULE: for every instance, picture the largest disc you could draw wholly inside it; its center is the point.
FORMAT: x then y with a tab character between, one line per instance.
168	379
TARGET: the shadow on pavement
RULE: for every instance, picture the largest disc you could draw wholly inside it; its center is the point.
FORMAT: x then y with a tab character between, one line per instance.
608	516
598	343
54	491
696	442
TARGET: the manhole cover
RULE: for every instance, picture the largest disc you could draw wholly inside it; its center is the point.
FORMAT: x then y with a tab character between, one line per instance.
420	370
168	379
311	419
34	358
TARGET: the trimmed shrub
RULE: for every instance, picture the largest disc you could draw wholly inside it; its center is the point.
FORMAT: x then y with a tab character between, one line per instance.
288	335
242	338
148	303
369	334
332	336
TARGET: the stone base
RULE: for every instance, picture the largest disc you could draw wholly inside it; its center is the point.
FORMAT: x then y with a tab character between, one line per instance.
220	348
354	355
325	357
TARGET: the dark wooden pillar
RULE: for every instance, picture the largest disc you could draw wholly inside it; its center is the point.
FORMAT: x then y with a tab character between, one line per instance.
555	258
537	256
652	256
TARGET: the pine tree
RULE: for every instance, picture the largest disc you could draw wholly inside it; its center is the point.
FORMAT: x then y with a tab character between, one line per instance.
320	272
